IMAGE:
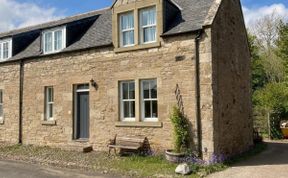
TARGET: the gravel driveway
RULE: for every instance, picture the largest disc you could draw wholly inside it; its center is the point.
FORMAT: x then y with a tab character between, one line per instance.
272	163
12	169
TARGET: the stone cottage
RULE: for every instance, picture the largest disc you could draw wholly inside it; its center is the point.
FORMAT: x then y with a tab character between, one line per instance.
79	81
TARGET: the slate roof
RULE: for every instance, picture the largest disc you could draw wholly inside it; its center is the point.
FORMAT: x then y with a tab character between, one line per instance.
191	16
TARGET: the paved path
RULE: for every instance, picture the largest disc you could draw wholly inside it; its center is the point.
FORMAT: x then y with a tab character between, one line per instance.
12	169
272	163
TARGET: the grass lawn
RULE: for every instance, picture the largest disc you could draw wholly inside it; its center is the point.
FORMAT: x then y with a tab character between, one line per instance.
133	166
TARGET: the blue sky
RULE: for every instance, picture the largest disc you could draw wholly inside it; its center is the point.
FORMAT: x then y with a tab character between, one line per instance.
22	13
259	3
70	7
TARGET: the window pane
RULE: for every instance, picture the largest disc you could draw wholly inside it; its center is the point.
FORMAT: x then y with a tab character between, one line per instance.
125	90
153	88
5	50
50	110
149	34
146	89
154	109
127	21
148	16
132	109
1	97
50	95
83	87
128	38
126	109
131	90
1	111
58	40
147	109
48	42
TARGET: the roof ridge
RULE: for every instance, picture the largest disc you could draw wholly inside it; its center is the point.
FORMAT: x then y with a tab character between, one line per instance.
38	26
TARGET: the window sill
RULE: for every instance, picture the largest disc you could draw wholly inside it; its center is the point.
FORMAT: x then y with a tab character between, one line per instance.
137	47
82	140
139	124
49	123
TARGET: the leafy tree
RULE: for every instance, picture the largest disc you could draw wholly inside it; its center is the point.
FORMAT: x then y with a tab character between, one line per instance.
282	44
273	101
259	78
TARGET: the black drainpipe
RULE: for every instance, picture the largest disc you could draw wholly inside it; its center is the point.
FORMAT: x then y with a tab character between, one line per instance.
197	92
21	101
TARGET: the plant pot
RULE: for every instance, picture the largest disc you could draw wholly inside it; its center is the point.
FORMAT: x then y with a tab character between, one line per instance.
174	157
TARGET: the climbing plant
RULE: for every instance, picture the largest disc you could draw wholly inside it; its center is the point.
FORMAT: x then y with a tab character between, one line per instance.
181	130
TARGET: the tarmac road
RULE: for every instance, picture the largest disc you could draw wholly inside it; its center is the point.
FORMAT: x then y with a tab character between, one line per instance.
272	163
13	169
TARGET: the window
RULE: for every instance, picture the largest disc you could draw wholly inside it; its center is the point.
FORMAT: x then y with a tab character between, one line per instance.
5	49
127	105
1	105
126	29
148	25
149	100
54	40
49	103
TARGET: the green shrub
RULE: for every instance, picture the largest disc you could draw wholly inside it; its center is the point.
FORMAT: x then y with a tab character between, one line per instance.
181	127
273	100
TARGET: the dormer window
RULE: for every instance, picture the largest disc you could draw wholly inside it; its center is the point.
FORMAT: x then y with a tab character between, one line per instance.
5	49
148	25
127	29
54	40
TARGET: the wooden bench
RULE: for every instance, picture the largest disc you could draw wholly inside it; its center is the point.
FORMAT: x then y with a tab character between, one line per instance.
127	143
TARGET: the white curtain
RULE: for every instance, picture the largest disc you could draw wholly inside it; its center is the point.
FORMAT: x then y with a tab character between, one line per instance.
127	29
5	50
58	40
148	24
48	42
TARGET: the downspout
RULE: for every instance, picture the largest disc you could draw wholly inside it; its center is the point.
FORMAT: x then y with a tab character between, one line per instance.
20	141
197	93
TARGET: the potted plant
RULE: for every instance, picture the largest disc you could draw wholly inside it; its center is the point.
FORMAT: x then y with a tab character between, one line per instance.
181	136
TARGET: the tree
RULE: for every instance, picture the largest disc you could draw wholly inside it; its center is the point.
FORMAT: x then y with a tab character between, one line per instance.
259	78
266	30
272	100
282	44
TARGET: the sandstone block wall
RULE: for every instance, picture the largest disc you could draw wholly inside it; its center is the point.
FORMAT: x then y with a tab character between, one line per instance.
107	69
9	83
233	126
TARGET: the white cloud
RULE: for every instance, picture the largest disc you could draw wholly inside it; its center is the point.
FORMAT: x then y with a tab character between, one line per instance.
254	14
15	14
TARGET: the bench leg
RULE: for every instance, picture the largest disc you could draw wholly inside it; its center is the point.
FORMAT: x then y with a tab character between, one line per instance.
110	151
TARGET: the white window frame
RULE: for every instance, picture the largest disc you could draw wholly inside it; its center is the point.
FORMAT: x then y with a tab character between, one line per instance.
148	119
9	41
1	104
63	29
126	30
127	119
142	27
48	103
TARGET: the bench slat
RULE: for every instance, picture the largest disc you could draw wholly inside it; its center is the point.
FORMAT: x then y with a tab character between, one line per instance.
140	140
124	147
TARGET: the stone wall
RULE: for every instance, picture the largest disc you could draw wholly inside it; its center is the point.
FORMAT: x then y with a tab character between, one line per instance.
9	83
108	68
233	126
